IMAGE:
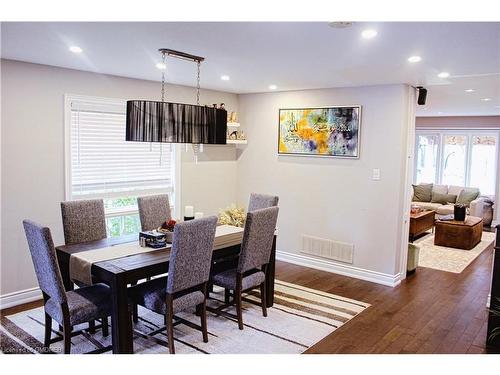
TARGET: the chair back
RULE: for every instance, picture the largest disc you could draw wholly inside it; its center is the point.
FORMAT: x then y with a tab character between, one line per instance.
154	210
257	238
191	255
260	201
43	255
83	221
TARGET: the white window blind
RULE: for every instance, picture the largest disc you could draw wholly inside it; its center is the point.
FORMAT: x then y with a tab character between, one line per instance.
103	164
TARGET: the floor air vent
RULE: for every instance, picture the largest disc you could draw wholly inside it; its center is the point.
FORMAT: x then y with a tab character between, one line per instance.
325	248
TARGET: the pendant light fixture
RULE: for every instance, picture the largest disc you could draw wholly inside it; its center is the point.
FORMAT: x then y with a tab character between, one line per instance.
160	121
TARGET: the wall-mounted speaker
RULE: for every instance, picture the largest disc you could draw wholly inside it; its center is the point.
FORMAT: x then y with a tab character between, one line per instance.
422	95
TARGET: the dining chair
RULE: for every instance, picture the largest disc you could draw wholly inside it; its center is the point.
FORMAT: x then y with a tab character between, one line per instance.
260	201
66	308
253	259
83	221
188	274
154	210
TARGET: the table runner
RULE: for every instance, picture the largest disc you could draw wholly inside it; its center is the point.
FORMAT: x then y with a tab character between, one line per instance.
80	264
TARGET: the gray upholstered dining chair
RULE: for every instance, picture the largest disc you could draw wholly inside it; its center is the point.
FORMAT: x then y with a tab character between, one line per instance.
260	201
254	257
188	274
154	210
83	221
66	308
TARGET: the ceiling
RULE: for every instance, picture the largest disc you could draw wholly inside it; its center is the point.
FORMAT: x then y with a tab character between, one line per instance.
291	55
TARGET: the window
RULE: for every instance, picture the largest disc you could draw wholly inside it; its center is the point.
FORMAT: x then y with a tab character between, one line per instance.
463	158
427	156
101	164
454	150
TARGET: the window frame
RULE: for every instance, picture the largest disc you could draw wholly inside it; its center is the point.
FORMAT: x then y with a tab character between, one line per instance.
469	134
174	195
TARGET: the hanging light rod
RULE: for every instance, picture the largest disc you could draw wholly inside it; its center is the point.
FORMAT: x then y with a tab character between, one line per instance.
181	55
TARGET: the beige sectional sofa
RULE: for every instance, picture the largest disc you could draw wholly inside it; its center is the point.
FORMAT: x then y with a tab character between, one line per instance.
475	209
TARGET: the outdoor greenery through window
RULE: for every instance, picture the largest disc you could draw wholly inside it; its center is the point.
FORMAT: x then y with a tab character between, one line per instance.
462	158
102	165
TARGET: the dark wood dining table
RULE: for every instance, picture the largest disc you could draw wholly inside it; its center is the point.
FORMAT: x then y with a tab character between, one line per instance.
119	273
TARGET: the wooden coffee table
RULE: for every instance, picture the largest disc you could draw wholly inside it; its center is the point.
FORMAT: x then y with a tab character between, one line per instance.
459	234
420	223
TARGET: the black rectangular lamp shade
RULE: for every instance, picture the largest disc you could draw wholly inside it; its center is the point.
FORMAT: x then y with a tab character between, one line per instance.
150	121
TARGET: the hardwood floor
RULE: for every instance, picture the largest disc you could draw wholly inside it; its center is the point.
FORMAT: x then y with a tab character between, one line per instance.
430	312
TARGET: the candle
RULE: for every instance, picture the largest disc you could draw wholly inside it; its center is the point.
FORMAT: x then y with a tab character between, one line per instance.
189	211
198	215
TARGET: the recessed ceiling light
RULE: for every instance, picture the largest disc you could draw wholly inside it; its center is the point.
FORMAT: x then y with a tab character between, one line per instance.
75	49
470	90
161	66
225	77
443	75
273	87
486	99
414	59
440	113
369	33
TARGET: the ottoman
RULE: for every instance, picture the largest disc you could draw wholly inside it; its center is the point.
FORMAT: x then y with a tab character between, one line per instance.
459	234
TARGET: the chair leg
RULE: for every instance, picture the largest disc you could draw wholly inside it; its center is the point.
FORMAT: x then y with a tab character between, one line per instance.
92	326
105	327
48	331
67	336
263	299
227	295
204	330
170	324
135	313
237	297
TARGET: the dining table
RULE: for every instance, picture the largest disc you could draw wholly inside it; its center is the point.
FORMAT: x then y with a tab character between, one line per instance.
121	272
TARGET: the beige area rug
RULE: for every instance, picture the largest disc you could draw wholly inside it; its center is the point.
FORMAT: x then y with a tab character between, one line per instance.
449	259
299	318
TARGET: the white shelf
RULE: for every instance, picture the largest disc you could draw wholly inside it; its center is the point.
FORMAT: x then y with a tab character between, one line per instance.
236	141
233	124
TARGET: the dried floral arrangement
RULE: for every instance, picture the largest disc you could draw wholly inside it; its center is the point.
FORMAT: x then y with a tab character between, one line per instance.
232	215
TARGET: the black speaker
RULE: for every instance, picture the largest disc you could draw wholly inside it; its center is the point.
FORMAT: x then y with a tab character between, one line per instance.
422	95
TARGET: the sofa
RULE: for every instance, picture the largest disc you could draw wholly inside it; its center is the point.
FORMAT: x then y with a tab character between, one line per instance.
475	207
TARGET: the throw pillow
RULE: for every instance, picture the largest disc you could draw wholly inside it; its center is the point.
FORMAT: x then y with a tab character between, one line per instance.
443	198
422	193
467	195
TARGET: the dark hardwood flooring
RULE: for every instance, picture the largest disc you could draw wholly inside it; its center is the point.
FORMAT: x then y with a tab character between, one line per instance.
430	312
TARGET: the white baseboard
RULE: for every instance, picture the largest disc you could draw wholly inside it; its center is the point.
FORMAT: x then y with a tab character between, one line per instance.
20	297
341	269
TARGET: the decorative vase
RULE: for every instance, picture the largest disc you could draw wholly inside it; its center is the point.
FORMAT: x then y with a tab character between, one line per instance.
459	212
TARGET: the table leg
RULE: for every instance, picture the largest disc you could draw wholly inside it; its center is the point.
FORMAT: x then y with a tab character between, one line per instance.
120	318
270	275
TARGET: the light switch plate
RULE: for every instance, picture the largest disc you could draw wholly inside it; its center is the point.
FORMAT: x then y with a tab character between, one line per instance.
376	174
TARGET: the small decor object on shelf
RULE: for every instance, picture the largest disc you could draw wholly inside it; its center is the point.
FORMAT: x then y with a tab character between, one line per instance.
242	136
232	117
232	215
233	135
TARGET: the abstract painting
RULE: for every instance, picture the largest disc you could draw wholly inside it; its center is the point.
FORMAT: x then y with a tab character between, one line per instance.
328	131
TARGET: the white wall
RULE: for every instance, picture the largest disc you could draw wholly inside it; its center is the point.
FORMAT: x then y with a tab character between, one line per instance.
32	154
331	197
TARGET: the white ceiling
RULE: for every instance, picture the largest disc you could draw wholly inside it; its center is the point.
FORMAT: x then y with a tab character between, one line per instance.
292	55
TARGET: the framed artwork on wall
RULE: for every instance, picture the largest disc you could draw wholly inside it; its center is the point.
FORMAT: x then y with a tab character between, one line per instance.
320	131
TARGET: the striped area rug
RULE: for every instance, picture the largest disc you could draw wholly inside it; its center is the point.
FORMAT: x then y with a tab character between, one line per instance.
299	318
